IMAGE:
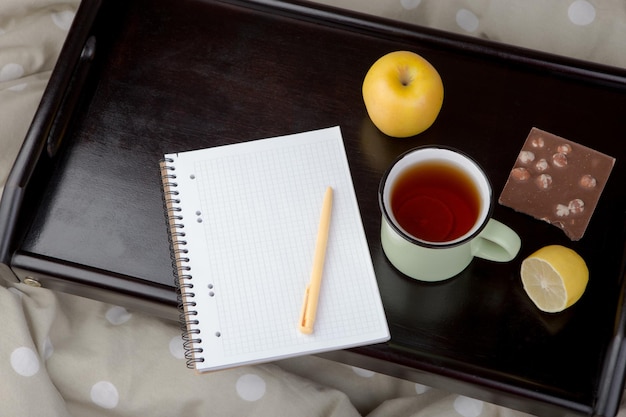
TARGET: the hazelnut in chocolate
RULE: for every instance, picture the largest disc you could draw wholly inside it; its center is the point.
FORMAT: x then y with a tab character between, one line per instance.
557	181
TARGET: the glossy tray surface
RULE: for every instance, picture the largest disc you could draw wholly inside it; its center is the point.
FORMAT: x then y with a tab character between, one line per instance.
170	76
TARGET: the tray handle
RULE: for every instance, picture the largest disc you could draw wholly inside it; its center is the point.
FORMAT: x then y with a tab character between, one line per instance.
71	97
40	143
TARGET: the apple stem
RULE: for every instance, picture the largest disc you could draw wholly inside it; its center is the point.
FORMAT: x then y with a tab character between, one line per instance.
406	75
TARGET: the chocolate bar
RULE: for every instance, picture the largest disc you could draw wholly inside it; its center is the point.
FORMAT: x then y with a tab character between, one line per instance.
557	181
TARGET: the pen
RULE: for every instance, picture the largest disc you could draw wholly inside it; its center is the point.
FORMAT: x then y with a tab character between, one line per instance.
311	295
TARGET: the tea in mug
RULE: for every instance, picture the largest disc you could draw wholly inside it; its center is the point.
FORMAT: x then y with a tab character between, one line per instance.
435	201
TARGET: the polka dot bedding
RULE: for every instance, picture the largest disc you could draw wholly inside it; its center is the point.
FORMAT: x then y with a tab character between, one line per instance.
591	30
62	355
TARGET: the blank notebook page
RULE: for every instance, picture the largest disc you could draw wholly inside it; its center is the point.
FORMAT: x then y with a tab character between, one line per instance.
251	212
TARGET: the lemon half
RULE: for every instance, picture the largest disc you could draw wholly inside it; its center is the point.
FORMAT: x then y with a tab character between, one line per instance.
554	277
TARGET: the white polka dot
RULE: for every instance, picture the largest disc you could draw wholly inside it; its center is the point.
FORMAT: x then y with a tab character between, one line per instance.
363	372
250	387
176	347
468	407
466	20
104	394
117	315
48	349
420	389
25	361
11	72
410	4
63	19
581	12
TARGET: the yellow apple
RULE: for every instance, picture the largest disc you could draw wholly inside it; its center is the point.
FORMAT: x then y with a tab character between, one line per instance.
403	94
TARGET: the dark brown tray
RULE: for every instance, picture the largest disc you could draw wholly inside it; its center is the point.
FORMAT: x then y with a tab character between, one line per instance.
82	210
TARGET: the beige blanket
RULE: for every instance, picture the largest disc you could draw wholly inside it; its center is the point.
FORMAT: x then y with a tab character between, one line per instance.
61	355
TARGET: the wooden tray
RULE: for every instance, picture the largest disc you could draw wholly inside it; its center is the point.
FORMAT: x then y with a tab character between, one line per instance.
82	209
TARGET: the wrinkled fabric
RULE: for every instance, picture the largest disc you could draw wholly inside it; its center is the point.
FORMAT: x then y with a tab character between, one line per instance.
63	355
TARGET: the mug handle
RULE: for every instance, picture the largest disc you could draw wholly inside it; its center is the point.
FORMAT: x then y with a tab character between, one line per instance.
497	242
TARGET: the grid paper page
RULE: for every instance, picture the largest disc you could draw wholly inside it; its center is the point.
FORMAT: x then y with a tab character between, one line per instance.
251	213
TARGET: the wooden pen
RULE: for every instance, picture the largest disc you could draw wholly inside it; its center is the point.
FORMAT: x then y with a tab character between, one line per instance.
311	295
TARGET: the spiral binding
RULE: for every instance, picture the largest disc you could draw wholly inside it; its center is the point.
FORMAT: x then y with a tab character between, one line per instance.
180	265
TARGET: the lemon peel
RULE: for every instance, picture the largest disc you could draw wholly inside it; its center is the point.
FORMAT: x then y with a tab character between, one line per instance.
554	277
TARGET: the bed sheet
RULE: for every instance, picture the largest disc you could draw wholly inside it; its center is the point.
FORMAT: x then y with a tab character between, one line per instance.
62	355
590	30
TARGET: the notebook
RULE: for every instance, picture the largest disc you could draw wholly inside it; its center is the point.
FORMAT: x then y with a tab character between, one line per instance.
243	222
